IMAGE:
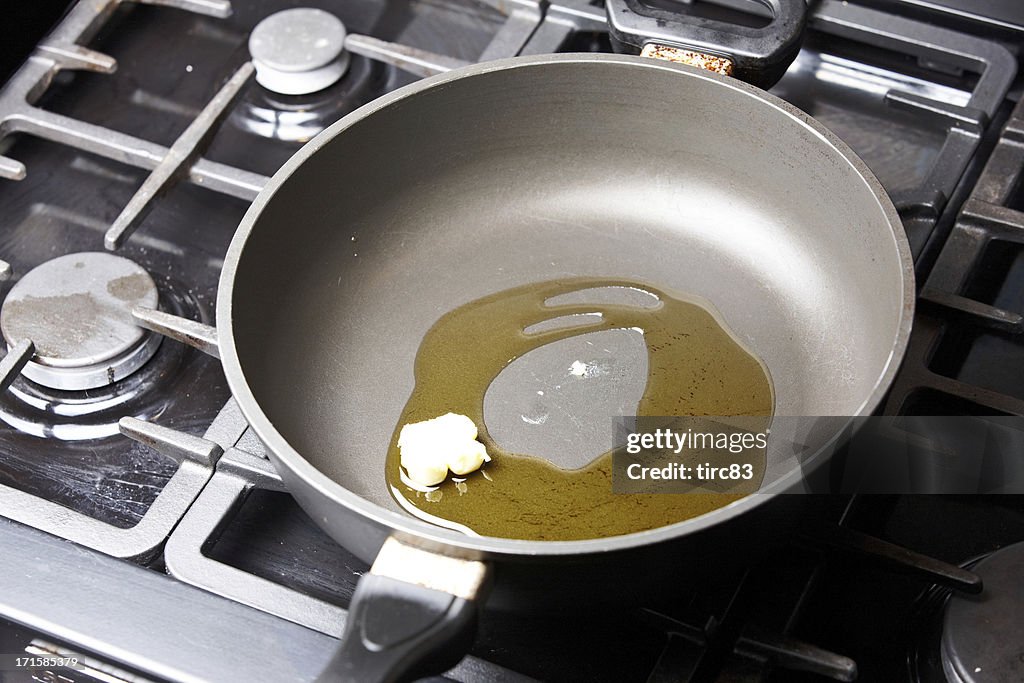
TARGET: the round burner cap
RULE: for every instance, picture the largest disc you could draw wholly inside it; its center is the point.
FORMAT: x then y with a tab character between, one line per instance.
981	635
299	51
76	309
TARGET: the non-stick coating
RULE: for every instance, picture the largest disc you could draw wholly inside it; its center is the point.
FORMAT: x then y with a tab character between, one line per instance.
536	169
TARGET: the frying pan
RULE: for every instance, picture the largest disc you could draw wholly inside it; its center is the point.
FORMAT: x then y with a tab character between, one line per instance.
520	171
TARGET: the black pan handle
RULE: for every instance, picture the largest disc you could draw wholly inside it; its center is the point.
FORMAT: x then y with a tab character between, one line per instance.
413	615
757	55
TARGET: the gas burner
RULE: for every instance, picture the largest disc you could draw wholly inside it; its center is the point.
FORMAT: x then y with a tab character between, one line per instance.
981	635
76	309
298	118
34	410
299	51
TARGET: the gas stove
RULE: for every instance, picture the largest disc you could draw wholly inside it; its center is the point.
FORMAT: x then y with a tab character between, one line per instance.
143	529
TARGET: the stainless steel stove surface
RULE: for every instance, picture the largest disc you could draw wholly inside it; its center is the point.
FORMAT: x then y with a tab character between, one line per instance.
185	559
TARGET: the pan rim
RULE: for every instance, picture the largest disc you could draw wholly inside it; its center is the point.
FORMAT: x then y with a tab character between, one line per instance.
283	455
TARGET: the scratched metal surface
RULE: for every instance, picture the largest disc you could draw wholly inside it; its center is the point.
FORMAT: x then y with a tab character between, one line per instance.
270	536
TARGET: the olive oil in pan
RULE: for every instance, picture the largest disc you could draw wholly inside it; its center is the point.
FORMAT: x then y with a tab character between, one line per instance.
695	367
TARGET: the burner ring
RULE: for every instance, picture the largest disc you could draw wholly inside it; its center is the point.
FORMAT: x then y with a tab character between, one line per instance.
76	309
979	633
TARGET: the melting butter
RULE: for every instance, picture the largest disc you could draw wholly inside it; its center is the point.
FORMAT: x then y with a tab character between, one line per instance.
431	448
695	367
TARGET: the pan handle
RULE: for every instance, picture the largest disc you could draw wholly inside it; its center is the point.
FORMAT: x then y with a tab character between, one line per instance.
412	615
757	55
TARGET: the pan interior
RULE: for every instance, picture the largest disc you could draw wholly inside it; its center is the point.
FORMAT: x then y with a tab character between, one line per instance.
616	170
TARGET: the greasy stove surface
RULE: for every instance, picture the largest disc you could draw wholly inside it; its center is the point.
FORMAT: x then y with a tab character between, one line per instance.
808	613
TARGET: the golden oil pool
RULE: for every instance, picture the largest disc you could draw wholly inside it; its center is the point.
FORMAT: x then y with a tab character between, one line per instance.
695	367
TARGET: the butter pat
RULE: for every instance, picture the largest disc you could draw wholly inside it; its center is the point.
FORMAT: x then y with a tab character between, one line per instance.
431	448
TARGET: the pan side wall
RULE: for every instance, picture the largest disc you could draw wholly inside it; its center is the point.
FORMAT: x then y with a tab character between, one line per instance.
549	171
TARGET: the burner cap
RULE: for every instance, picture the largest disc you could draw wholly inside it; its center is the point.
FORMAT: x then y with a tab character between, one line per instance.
981	634
299	51
76	309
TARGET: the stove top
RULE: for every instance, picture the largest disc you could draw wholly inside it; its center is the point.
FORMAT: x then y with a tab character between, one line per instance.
176	554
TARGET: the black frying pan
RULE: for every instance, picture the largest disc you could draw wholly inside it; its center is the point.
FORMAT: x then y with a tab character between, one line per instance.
526	170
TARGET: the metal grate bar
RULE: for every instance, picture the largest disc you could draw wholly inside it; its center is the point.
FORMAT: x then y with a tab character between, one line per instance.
410	59
177	446
144	540
220	9
78	57
984	217
11	169
63	49
795	655
131	150
513	34
14	361
994	65
897	558
178	158
975	311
